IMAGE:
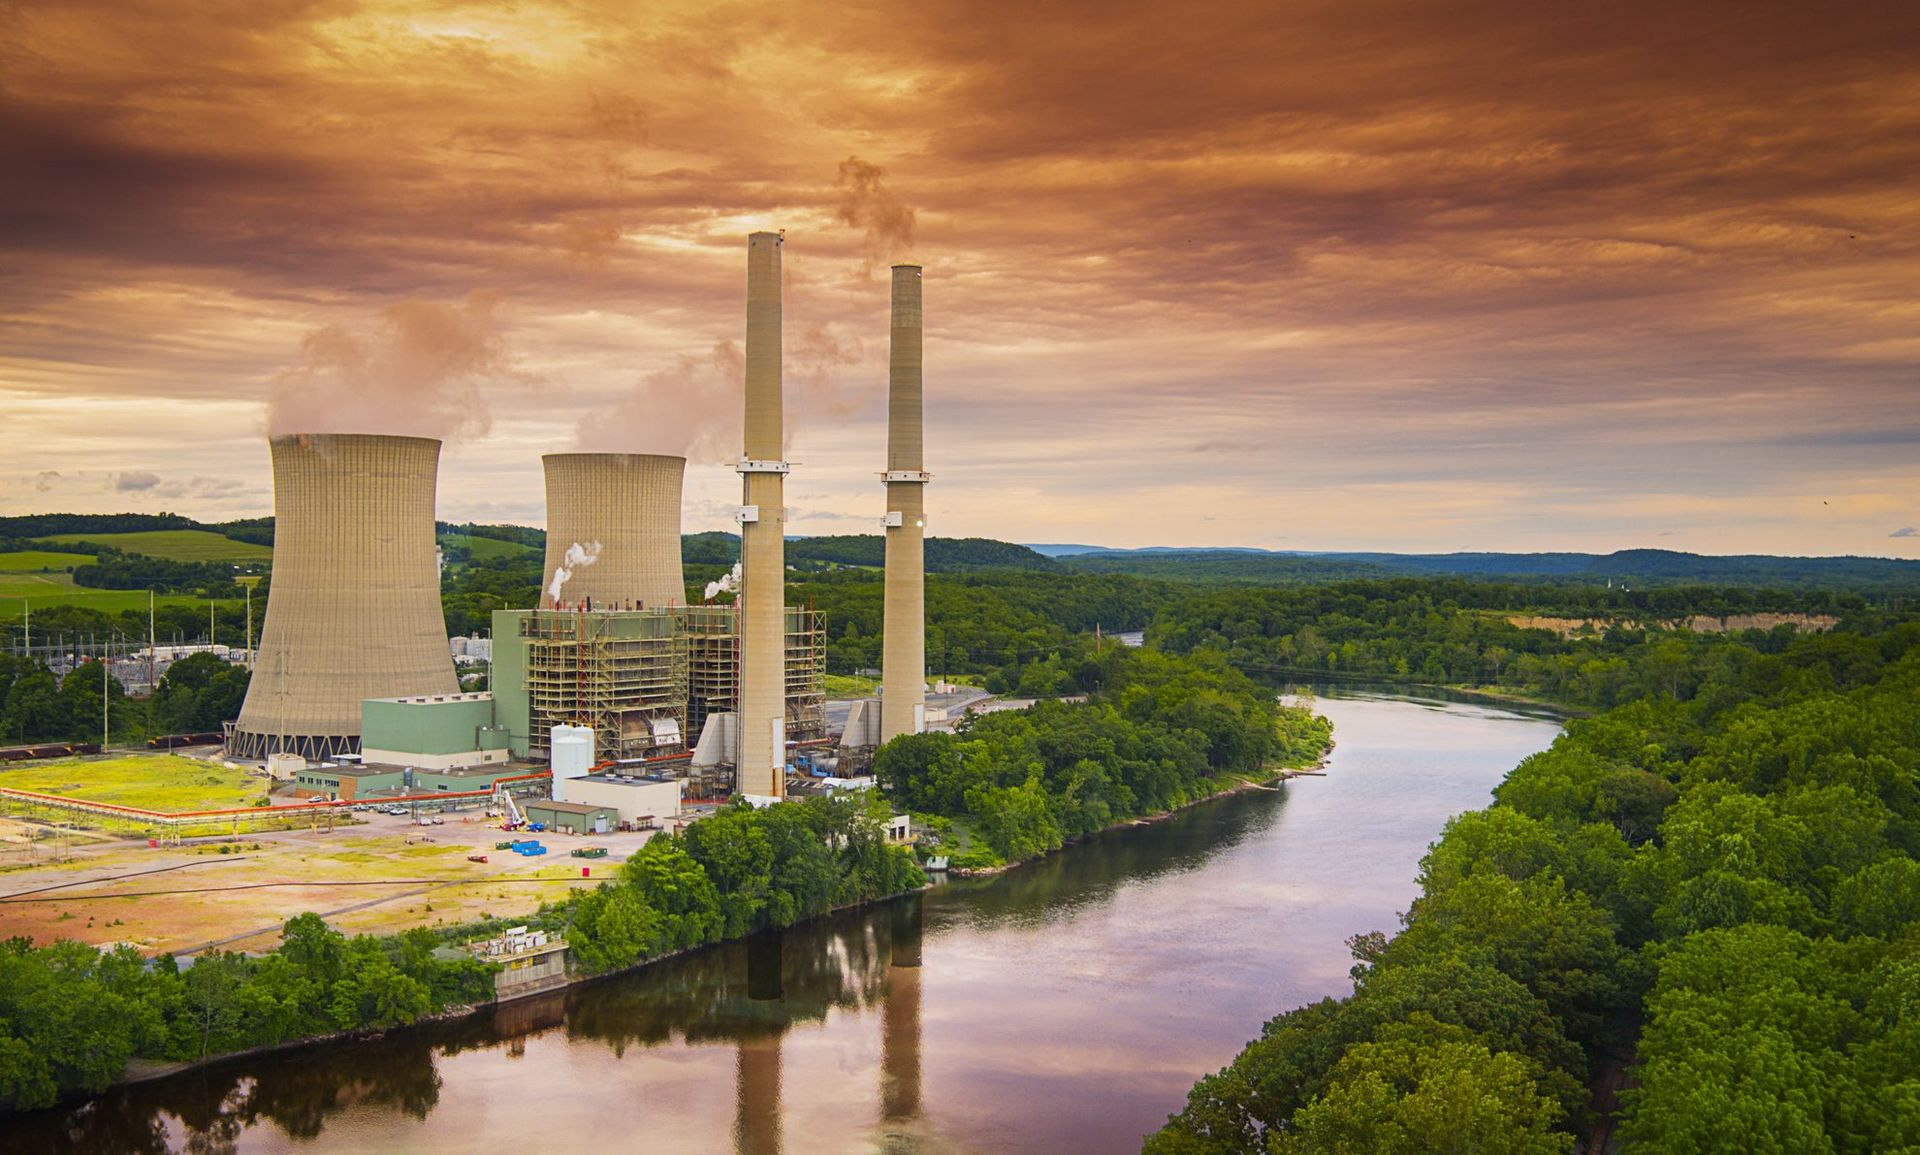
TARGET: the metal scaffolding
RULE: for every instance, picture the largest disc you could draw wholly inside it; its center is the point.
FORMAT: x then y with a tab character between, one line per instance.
712	642
623	673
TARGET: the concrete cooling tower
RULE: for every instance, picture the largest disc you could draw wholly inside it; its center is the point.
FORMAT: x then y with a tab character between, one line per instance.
613	530
353	611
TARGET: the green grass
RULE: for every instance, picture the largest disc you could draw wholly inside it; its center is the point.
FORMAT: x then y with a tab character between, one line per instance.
848	686
151	781
176	545
33	559
485	548
43	591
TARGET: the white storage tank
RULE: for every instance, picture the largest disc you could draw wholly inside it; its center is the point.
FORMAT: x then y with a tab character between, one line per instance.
572	756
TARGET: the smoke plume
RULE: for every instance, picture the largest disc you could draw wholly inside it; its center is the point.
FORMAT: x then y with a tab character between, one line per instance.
418	372
577	557
866	203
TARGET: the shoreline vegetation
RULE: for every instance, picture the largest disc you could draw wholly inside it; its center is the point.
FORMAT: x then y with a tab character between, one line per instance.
1708	893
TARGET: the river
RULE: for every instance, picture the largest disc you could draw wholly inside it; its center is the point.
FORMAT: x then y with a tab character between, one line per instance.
1066	1006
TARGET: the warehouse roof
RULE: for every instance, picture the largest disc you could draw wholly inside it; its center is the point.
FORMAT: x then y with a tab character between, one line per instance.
580	808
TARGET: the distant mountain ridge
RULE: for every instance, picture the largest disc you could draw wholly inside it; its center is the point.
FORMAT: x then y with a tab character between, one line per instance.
1630	565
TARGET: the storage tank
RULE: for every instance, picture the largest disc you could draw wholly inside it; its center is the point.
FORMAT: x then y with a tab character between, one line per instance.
623	511
353	611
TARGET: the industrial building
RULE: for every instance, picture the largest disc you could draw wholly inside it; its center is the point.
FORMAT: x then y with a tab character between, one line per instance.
435	732
646	682
353	611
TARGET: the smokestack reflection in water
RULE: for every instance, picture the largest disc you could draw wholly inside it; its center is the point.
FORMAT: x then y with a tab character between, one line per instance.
757	1076
900	1017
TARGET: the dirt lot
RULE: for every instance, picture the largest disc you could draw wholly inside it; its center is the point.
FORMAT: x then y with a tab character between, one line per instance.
378	877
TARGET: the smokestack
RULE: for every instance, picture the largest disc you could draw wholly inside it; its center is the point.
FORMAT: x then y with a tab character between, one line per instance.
627	507
353	611
903	702
763	528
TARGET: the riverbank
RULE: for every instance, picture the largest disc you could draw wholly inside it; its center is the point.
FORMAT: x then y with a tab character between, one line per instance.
1317	768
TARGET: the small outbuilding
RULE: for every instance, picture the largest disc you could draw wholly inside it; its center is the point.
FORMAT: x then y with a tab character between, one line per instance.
573	817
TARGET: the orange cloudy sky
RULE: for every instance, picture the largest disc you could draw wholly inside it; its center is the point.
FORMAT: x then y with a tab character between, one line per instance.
1321	275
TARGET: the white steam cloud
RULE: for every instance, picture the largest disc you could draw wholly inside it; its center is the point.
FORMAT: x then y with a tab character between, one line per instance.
729	583
577	557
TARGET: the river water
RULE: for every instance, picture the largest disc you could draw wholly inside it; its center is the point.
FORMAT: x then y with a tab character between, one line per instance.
1066	1006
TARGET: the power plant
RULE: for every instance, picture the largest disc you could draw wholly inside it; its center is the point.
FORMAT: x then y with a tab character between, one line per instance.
614	656
353	611
903	686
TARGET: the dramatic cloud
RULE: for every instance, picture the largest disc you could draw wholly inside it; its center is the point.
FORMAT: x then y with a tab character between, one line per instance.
1388	274
1905	531
133	481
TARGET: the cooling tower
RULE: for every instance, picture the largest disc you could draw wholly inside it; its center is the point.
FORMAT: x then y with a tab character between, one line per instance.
353	611
763	522
623	510
903	665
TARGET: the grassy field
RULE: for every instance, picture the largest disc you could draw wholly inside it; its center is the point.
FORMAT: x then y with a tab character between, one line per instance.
848	686
150	781
176	545
485	548
57	589
34	559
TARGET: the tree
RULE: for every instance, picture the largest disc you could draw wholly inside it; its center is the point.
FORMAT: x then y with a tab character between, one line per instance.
1427	1087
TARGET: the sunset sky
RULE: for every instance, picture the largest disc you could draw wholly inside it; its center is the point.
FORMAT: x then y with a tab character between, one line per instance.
1321	275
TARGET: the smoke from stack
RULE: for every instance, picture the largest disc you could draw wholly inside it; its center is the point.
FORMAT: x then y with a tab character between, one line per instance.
353	611
867	204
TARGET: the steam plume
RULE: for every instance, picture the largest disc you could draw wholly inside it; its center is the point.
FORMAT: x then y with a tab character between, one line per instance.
577	557
417	373
729	583
691	409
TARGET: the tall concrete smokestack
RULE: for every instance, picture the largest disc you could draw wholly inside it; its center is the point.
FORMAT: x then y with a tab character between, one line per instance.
353	611
625	509
903	702
763	528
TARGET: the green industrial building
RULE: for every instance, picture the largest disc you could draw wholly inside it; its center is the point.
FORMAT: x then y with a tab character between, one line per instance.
573	817
432	732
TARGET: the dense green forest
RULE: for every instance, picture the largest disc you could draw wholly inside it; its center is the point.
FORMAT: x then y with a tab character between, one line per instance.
72	1016
1725	863
1155	732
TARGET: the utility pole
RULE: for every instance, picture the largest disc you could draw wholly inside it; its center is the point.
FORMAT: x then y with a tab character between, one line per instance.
150	641
106	676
